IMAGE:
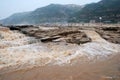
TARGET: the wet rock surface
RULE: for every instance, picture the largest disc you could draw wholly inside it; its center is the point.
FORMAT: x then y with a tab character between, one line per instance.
51	51
111	34
68	35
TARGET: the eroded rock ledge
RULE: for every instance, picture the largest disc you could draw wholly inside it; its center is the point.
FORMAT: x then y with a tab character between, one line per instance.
40	46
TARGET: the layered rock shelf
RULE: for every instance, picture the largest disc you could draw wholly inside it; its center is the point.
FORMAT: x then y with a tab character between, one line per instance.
29	47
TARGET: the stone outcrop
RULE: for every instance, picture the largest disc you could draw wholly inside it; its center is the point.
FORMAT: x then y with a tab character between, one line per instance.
111	34
51	47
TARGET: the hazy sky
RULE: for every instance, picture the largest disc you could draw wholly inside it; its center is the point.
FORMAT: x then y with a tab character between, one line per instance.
8	7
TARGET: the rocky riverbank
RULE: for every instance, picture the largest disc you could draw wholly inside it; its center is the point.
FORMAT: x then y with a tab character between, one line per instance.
25	48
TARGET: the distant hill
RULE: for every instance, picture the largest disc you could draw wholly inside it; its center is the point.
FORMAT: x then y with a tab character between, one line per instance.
50	13
109	10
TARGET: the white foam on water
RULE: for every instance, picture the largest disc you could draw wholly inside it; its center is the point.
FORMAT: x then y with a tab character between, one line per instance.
91	50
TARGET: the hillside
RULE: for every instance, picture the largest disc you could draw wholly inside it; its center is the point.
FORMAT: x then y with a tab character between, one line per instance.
109	10
50	13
